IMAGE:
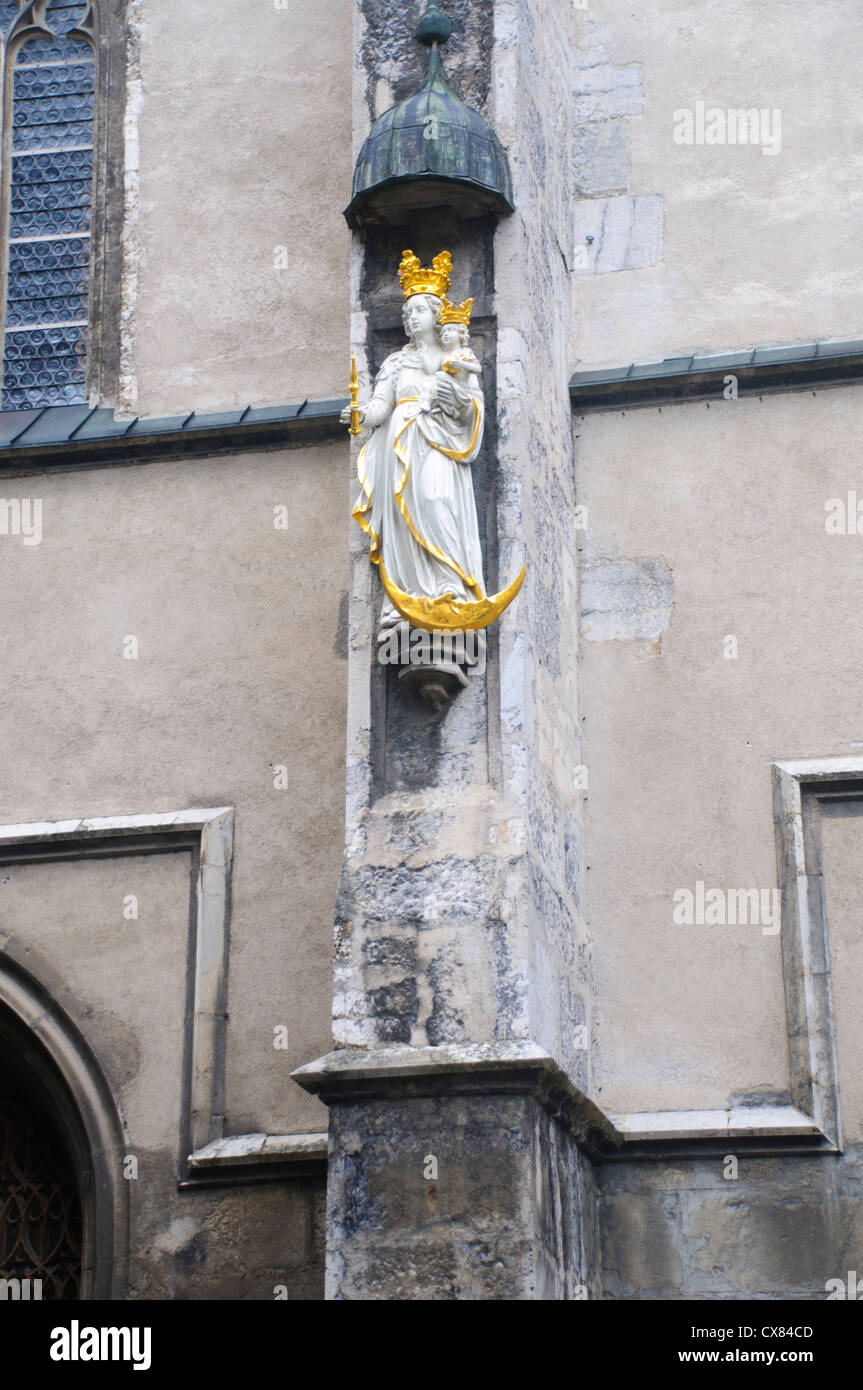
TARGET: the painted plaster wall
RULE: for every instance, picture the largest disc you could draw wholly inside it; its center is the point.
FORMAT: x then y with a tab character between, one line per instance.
240	672
715	246
707	523
252	155
122	982
727	501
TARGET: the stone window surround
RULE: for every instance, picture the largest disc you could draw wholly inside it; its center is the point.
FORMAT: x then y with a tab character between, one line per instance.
206	1154
813	1121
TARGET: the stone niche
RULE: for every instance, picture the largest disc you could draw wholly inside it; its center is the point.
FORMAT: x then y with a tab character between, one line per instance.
431	174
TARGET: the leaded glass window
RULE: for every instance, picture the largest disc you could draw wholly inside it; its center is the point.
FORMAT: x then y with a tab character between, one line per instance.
49	72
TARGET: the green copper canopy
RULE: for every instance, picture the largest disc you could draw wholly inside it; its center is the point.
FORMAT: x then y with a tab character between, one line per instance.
430	150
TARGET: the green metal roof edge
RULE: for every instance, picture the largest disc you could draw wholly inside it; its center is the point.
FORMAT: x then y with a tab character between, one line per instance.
76	435
696	376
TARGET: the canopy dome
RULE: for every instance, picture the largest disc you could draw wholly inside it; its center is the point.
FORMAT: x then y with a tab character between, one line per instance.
431	149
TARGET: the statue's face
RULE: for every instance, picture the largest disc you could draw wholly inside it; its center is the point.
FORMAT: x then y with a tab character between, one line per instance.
450	335
419	316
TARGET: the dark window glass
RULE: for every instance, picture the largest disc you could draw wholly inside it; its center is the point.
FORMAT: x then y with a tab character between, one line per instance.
40	1204
50	205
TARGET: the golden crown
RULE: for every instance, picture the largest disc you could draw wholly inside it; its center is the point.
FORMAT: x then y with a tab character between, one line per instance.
416	279
456	313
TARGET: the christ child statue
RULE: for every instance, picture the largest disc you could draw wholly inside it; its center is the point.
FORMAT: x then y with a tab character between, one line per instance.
458	361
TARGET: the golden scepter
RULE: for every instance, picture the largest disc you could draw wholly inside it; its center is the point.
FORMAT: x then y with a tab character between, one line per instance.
354	427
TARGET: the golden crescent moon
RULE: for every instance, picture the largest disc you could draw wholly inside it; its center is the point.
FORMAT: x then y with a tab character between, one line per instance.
433	614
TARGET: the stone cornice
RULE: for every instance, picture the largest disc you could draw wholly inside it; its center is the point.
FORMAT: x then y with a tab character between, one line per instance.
461	1069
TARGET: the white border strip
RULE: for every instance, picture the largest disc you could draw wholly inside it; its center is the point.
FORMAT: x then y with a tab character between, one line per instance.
741	1122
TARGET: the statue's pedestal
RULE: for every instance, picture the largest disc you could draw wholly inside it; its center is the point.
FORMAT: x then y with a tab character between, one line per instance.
460	1172
436	684
434	667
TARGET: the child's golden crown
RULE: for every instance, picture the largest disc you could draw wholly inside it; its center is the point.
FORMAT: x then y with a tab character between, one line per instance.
416	279
456	313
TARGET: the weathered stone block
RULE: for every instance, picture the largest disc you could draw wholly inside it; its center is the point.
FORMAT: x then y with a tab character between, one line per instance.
763	1245
625	599
640	1257
626	232
458	1173
604	91
601	158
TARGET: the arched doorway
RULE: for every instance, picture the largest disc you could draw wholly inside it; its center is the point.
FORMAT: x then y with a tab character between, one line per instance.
64	1207
41	1218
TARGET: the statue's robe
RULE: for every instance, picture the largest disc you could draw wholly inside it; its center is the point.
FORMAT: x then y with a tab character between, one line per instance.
417	504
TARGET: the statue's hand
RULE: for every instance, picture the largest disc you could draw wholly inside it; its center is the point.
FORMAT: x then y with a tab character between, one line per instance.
450	398
446	396
346	417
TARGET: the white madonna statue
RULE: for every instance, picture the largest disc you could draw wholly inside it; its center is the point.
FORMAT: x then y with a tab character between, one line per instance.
417	506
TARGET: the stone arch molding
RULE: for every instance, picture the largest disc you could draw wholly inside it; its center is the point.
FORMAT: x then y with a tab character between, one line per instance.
93	1124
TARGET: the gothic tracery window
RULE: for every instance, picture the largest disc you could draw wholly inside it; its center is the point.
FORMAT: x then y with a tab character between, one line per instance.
49	83
40	1202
